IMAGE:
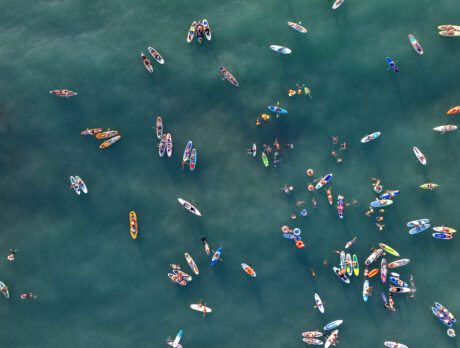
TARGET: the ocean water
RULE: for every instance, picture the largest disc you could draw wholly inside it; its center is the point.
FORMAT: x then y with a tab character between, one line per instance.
97	287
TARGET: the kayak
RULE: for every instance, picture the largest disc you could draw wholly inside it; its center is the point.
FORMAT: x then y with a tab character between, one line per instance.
193	158
388	249
449	33
177	279
323	181
355	265
415	44
187	151
265	159
332	339
418	229
398	263
445	128
82	186
312	334
454	110
207	29
146	62
441	316
159	127
389	194
106	134
277	109
417	222
398	290
65	93
156	55
297	27
248	270
373	257
365	289
445	311
383	270
229	76
183	275
381	203
280	49
162	146
313	341
428	186
191	263
4	289
189	207
178	337
92	131
191	32
349	265
169	145
393	67
340	206
133	224
319	303
391	344
333	324
442	235
216	256
420	155
343	276
398	282
73	183
336	4
373	273
370	137
110	142
437	228
200	308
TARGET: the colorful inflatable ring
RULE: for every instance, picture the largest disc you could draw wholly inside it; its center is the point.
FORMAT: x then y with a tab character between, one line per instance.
309	172
297	231
304	212
299	244
285	229
310	187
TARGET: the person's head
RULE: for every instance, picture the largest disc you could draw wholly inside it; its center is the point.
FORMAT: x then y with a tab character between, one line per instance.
396	69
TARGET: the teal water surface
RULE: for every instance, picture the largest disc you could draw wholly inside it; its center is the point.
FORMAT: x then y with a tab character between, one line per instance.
97	287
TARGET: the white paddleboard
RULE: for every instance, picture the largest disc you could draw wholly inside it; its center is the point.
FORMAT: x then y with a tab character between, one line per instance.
200	308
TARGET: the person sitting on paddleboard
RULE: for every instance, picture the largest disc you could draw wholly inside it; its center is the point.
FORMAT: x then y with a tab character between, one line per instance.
10	257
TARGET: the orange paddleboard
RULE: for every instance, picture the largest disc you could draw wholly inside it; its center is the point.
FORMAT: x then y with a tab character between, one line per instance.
454	110
373	272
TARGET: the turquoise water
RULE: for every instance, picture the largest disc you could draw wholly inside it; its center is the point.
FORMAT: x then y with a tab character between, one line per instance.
97	287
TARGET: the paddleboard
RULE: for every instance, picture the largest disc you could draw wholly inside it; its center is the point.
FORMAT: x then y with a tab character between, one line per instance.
349	265
297	27
373	273
74	185
133	224
374	256
162	145
323	181
365	288
442	235
398	263
389	249
389	194
428	186
191	263
419	229
178	337
313	341
207	29
159	127
331	339
187	151
398	282
398	290
446	312
343	276
170	342
156	55
454	110
437	228
177	279
381	203
289	236
449	33
169	145
229	76
191	32
420	156
319	303
415	44
337	4
312	334
280	49
4	289
333	324
391	344
445	128
441	316
417	222
216	256
254	150
189	207
182	275
193	158
383	270
449	27
370	137
248	270
355	265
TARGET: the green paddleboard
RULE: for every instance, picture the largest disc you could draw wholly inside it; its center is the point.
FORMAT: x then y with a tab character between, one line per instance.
265	159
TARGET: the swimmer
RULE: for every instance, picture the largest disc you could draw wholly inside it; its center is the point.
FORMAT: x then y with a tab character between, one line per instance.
339	160
293	217
314	203
313	274
379	218
347	204
325	263
336	251
286	189
333	153
276	145
343	146
380	226
382	211
354	202
10	257
258	122
335	140
28	295
299	203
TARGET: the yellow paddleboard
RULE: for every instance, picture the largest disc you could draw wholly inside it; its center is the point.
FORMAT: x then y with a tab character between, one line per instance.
133	224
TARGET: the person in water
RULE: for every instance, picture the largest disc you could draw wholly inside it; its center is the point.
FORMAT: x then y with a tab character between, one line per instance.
335	140
380	226
10	257
313	274
28	295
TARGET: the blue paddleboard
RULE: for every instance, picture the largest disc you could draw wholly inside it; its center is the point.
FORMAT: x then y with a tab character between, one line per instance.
389	194
333	324
216	256
277	109
419	229
442	235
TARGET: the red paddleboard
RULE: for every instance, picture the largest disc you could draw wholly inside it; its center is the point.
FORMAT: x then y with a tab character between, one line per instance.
373	272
